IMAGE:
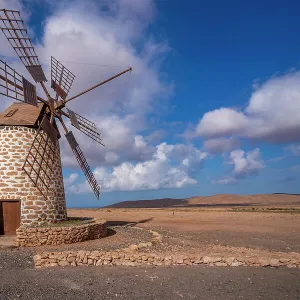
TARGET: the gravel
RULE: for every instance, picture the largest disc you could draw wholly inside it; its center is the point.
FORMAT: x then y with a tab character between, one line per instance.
161	283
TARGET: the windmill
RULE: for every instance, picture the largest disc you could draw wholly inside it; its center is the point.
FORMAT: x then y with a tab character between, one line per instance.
39	161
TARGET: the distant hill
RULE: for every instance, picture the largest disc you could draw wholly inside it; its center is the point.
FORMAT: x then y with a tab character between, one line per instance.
156	203
223	200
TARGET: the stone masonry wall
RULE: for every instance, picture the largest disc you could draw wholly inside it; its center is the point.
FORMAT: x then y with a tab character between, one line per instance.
15	142
99	258
31	237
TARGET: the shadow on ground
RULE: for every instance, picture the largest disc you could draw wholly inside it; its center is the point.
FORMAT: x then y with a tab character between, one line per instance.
126	223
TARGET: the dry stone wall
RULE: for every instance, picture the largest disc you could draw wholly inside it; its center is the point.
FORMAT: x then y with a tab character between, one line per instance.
15	142
99	258
31	237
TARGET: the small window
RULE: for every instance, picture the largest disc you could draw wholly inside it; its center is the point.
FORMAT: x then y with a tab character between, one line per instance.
11	113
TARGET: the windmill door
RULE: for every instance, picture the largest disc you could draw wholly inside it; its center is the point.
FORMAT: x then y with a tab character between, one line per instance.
9	216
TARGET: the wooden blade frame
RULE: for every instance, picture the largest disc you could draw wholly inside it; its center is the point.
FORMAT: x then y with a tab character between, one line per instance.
86	126
41	158
61	79
15	86
83	163
14	30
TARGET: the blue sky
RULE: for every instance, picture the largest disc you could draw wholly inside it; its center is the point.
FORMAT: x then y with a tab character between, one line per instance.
211	106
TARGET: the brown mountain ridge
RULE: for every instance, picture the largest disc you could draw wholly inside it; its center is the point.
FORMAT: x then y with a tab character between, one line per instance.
221	200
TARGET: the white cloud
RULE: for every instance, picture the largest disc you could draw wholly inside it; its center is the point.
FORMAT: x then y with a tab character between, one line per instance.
273	114
225	180
71	179
244	165
220	145
93	36
171	166
221	122
294	149
96	40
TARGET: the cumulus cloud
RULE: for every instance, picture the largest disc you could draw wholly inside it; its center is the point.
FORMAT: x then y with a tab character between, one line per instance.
171	166
88	37
244	164
97	39
273	114
220	145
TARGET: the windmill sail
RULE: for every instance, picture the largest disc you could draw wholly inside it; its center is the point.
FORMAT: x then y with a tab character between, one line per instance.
14	30
61	79
83	163
86	126
40	159
15	86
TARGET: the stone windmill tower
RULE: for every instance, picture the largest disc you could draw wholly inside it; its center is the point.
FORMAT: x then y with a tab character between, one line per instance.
31	181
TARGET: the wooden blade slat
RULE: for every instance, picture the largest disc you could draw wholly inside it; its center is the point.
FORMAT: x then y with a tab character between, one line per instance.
29	91
11	82
15	86
40	161
83	163
86	126
13	28
61	79
50	130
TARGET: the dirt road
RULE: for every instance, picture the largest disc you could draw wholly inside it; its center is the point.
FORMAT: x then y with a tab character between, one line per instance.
19	280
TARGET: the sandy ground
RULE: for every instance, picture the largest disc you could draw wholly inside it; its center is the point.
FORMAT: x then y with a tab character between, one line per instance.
194	229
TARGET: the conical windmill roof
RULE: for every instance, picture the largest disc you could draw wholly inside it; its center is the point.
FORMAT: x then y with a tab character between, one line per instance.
21	114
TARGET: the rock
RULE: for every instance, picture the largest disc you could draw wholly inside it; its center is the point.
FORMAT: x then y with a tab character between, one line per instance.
129	263
207	260
221	264
99	262
229	260
197	261
236	264
143	245
179	260
284	260
133	247
263	262
291	266
63	263
71	259
37	257
252	261
132	258
274	262
215	259
150	259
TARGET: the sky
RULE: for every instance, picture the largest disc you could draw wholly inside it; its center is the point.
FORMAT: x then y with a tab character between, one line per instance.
211	106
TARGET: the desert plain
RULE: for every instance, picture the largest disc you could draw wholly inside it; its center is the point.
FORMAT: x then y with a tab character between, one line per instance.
250	249
256	225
